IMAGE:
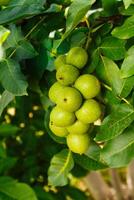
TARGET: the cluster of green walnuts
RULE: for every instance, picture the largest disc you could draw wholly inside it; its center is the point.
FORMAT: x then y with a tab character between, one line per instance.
73	95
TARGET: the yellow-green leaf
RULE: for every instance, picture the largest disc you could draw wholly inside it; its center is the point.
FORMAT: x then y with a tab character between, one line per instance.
4	33
59	168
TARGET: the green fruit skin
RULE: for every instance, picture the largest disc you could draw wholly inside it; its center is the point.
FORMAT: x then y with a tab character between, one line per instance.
78	128
54	91
88	85
89	112
69	99
4	2
77	56
58	131
67	74
61	117
59	61
78	143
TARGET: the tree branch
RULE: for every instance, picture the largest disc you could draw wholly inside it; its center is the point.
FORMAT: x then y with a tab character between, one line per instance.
130	179
97	186
116	183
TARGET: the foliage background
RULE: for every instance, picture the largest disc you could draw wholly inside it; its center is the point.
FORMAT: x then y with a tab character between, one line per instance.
33	33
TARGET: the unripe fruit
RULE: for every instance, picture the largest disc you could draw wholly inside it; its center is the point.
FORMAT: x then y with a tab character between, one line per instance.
61	117
67	74
68	93
69	99
78	143
78	128
60	60
58	131
88	85
54	91
77	56
89	112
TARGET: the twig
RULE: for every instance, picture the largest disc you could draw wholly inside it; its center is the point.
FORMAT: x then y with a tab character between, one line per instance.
130	179
121	98
125	100
98	187
88	41
36	25
116	182
107	87
28	34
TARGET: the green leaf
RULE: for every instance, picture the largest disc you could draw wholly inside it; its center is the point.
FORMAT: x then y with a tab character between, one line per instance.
76	12
118	144
91	159
25	50
111	99
53	8
88	163
12	78
40	63
127	3
74	193
127	86
7	163
60	166
110	7
18	9
123	158
105	29
4	33
127	68
43	195
93	151
125	31
114	124
5	197
8	130
50	65
127	12
109	72
78	171
5	99
95	57
14	37
113	48
15	190
118	152
78	38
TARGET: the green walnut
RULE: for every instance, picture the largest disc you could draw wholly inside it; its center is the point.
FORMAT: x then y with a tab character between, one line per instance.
59	61
61	117
69	99
67	74
78	128
88	85
77	56
58	131
54	91
89	112
78	143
